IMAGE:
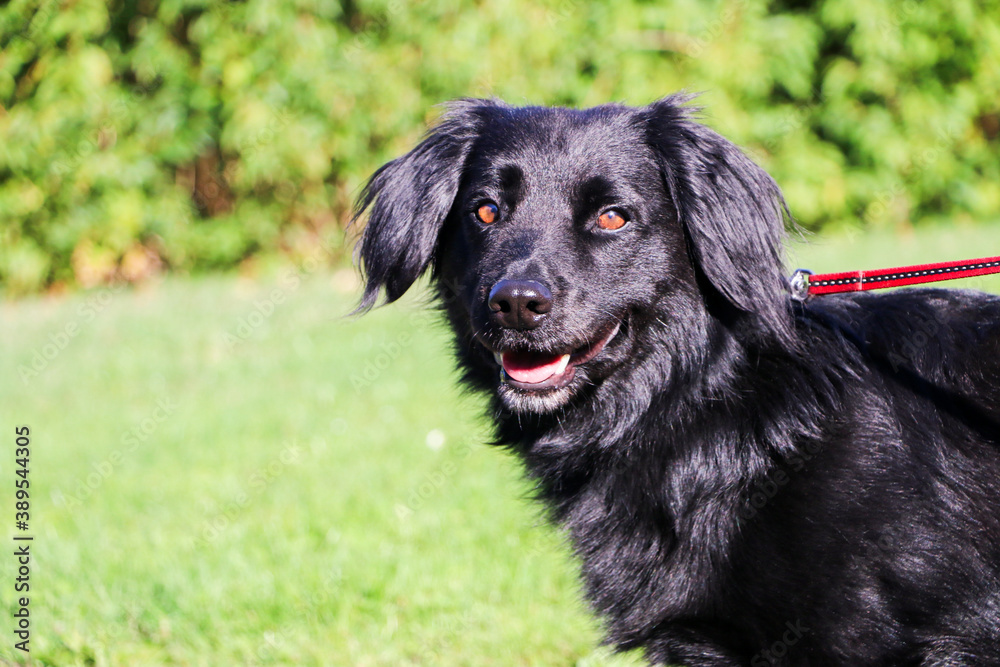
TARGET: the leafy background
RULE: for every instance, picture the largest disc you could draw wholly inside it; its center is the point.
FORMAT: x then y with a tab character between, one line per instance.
139	136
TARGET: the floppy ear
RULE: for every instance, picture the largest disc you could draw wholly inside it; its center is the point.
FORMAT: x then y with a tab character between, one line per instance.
409	200
731	209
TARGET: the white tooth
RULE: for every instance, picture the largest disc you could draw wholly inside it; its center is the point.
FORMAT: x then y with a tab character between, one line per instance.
563	363
499	358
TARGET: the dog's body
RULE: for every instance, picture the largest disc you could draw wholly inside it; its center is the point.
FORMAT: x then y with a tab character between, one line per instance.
746	479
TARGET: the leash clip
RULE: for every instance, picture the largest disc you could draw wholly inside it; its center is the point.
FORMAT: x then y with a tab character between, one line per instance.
798	285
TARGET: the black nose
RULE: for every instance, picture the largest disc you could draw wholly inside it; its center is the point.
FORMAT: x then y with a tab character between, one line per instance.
520	304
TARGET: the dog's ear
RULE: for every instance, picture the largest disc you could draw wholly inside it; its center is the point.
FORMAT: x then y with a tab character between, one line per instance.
732	211
408	201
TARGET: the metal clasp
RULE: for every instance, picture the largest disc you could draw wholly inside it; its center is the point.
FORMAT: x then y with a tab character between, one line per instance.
798	284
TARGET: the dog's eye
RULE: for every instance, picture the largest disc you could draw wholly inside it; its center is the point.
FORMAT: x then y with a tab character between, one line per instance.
611	220
487	213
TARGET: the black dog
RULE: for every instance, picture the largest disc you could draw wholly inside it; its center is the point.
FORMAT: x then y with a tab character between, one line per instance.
746	479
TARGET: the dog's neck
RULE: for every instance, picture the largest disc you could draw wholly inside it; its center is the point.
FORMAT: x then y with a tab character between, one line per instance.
627	502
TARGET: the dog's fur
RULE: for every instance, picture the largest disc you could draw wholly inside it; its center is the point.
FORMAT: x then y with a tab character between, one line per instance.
746	479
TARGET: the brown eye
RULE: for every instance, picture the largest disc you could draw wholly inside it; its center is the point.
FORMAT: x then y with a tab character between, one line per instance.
487	213
611	220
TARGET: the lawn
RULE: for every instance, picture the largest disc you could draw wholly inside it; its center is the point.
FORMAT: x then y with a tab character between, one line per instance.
229	471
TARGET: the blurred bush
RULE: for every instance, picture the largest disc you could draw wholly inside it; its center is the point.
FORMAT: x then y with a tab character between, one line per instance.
137	135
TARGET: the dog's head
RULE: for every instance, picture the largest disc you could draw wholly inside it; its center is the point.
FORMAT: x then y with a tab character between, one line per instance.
568	246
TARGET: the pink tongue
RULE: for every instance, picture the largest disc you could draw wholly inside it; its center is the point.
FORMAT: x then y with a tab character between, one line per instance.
533	367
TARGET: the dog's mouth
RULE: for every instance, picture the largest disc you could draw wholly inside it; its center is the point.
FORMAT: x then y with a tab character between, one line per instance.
530	370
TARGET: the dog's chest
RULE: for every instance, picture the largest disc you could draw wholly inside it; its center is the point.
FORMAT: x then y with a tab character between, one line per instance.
643	561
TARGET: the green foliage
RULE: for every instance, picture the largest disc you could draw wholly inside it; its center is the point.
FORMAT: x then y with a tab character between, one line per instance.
197	134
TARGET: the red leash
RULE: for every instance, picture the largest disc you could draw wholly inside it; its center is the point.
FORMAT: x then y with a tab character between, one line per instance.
804	284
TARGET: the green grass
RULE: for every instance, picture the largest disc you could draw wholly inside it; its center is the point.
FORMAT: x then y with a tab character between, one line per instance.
281	507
